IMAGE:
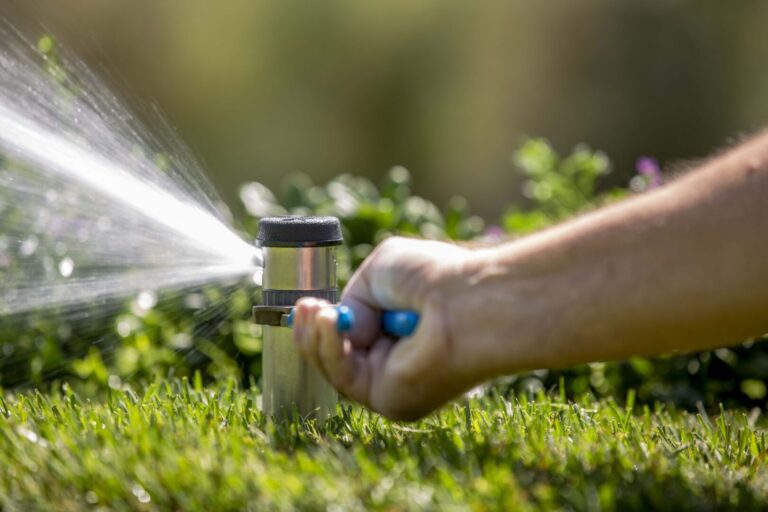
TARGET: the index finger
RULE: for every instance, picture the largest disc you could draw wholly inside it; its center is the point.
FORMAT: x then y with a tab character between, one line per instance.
367	326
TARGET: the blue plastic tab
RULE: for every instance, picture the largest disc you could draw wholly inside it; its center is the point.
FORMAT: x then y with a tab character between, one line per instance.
345	320
396	323
399	323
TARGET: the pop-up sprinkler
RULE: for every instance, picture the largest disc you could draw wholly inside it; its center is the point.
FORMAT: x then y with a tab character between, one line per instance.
299	261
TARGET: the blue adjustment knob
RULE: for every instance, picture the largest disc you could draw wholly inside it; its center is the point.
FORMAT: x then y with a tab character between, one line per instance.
400	323
345	320
397	323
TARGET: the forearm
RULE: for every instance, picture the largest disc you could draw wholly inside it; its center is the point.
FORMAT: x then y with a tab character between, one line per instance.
681	268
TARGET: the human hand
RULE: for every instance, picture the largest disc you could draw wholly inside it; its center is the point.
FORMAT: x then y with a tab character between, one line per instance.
409	377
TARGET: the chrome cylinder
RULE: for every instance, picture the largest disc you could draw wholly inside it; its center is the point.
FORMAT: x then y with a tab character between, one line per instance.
300	268
298	262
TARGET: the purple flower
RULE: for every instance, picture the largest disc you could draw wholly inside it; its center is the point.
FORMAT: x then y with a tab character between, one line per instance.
494	232
648	167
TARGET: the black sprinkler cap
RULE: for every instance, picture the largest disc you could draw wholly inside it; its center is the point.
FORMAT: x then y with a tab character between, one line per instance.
296	231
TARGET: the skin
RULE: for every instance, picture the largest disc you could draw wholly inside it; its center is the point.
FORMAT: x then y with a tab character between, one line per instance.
680	268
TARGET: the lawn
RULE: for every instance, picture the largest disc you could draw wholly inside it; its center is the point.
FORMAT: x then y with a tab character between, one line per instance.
175	445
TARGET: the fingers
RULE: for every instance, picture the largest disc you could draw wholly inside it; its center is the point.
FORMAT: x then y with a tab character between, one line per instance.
367	326
409	377
418	373
305	332
402	379
318	340
329	349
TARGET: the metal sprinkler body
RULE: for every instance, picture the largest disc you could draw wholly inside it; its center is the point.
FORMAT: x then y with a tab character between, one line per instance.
299	261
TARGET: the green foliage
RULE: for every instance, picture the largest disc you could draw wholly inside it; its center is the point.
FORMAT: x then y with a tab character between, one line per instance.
180	446
207	329
558	187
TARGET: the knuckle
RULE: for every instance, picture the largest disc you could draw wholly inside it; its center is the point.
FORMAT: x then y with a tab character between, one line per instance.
326	321
306	302
390	243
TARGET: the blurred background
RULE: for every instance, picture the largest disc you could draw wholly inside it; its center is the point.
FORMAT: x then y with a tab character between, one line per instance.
446	88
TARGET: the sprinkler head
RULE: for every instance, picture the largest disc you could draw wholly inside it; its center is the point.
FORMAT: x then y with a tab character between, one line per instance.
299	261
297	231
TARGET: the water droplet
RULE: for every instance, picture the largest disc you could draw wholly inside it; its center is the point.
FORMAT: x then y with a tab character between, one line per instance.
124	328
146	300
66	266
29	246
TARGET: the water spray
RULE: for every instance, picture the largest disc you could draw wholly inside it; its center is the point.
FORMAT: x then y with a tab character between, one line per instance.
94	204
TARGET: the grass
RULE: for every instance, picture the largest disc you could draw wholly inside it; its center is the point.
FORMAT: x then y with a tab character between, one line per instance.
180	446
